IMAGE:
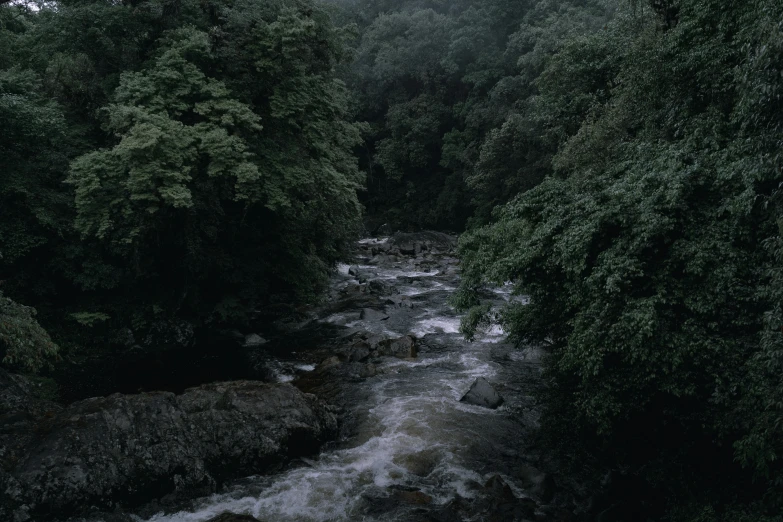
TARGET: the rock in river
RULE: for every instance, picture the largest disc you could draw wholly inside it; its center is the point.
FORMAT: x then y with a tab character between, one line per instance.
253	340
403	348
482	393
369	314
124	450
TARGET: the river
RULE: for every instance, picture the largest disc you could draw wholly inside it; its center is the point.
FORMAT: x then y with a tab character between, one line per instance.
410	450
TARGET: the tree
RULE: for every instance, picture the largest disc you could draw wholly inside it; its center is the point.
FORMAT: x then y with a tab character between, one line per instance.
23	343
650	254
208	154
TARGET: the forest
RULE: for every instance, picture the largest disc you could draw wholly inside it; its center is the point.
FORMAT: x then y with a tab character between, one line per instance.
170	169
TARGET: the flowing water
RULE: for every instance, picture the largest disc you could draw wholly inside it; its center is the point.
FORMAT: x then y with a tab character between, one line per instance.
409	446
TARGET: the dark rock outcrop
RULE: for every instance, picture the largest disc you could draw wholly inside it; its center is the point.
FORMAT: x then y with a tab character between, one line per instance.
482	393
123	450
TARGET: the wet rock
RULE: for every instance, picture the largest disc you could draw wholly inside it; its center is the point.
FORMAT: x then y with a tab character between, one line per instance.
400	301
124	450
404	348
357	352
379	287
416	498
232	517
408	249
379	502
327	364
343	318
253	340
380	259
368	370
498	488
482	393
504	505
360	352
353	290
369	314
541	485
354	271
421	463
353	371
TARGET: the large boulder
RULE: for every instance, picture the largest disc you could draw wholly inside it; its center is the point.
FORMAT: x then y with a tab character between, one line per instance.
481	393
124	450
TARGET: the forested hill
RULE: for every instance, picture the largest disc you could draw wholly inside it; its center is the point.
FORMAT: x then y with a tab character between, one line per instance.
169	160
182	164
463	101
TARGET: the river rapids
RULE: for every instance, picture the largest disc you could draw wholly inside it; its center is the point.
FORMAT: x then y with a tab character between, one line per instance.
409	450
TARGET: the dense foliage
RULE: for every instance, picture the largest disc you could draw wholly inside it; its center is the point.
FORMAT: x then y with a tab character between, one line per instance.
24	345
173	159
651	254
619	162
450	91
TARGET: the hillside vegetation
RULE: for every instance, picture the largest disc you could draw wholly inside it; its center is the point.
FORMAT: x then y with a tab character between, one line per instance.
620	162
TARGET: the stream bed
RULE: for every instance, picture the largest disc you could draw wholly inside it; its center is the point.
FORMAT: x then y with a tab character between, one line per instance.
409	449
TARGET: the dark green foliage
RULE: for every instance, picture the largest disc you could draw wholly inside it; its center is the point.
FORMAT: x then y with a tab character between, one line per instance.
183	159
451	92
31	130
24	345
651	254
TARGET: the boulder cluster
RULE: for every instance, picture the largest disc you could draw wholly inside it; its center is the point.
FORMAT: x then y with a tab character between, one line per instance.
121	451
